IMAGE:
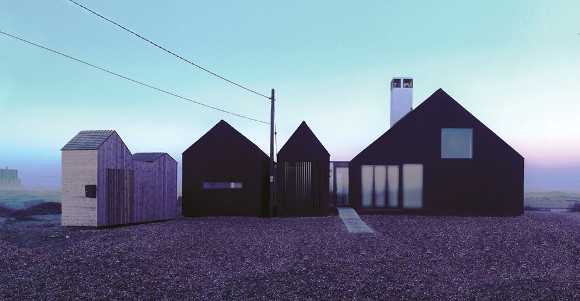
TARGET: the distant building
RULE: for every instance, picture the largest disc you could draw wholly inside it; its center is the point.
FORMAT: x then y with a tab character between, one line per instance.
103	184
9	179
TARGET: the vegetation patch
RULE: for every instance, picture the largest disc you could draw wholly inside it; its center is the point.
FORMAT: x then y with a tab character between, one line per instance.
575	207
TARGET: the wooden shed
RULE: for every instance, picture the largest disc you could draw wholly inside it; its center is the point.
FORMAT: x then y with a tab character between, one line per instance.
438	159
103	186
225	174
302	175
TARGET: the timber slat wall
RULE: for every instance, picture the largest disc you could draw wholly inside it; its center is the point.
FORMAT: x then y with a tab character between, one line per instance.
302	175
79	169
128	191
113	154
224	155
490	183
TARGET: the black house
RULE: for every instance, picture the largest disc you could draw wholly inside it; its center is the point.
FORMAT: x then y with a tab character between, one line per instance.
302	175
224	173
438	159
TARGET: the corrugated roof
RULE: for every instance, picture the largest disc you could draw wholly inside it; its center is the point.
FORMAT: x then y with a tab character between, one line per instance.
147	157
88	140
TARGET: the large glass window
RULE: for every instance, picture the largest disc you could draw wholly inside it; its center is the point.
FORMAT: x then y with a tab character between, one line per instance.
456	143
367	185
380	185
412	186
393	183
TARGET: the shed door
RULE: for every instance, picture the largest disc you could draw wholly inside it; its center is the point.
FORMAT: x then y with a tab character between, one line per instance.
120	196
341	186
301	187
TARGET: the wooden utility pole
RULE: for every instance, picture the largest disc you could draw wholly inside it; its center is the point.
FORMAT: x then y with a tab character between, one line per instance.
271	211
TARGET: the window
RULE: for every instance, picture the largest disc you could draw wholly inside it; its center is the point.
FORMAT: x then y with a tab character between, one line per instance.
396	83
222	185
412	186
408	83
380	185
91	191
456	143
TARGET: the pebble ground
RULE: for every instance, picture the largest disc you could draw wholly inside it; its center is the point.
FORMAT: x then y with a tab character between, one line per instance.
530	257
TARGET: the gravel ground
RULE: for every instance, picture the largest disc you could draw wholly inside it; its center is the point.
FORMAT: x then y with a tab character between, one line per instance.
533	256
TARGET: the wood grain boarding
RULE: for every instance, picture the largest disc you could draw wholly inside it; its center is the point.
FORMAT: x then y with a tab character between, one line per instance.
489	183
302	175
224	155
79	169
128	191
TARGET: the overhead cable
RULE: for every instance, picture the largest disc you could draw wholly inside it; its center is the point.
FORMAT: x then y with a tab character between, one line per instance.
166	50
132	80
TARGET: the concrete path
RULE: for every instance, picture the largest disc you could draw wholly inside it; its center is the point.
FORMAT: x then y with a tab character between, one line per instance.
352	221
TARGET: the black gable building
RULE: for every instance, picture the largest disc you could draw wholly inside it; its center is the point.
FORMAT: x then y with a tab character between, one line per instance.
302	175
438	159
224	173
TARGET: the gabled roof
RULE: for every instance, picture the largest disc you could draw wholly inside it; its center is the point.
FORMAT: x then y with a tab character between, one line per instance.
147	157
303	144
224	134
86	140
438	106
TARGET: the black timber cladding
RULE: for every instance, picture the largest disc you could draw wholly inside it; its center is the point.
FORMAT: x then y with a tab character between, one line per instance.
224	156
302	175
490	183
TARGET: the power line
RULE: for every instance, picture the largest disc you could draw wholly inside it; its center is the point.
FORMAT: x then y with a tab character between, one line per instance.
166	50
132	80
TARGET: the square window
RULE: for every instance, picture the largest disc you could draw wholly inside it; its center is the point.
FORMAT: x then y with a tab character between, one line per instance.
396	83
456	143
91	191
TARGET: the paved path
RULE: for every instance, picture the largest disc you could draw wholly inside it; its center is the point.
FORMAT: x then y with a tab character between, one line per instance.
352	221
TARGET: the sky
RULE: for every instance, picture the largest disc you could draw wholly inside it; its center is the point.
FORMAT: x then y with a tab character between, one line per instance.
515	65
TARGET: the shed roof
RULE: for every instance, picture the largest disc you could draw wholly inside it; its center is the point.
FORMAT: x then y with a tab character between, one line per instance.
438	106
147	157
303	145
85	140
222	137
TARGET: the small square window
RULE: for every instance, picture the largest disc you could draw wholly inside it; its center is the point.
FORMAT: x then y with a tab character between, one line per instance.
396	83
456	143
91	191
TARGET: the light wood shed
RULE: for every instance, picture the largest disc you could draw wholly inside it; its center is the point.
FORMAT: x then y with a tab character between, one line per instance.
103	184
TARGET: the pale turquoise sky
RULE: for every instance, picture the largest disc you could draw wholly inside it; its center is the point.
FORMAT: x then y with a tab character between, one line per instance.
515	65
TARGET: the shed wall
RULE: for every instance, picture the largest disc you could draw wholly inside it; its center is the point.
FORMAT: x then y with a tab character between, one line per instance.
490	183
225	155
155	189
303	170
79	168
112	154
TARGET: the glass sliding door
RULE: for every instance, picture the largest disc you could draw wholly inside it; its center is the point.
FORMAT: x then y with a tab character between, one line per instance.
341	185
412	186
380	185
393	185
367	185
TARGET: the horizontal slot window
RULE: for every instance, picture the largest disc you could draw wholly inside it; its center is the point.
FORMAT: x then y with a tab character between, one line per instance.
222	185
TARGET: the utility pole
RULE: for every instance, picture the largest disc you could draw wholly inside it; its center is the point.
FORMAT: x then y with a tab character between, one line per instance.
271	211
